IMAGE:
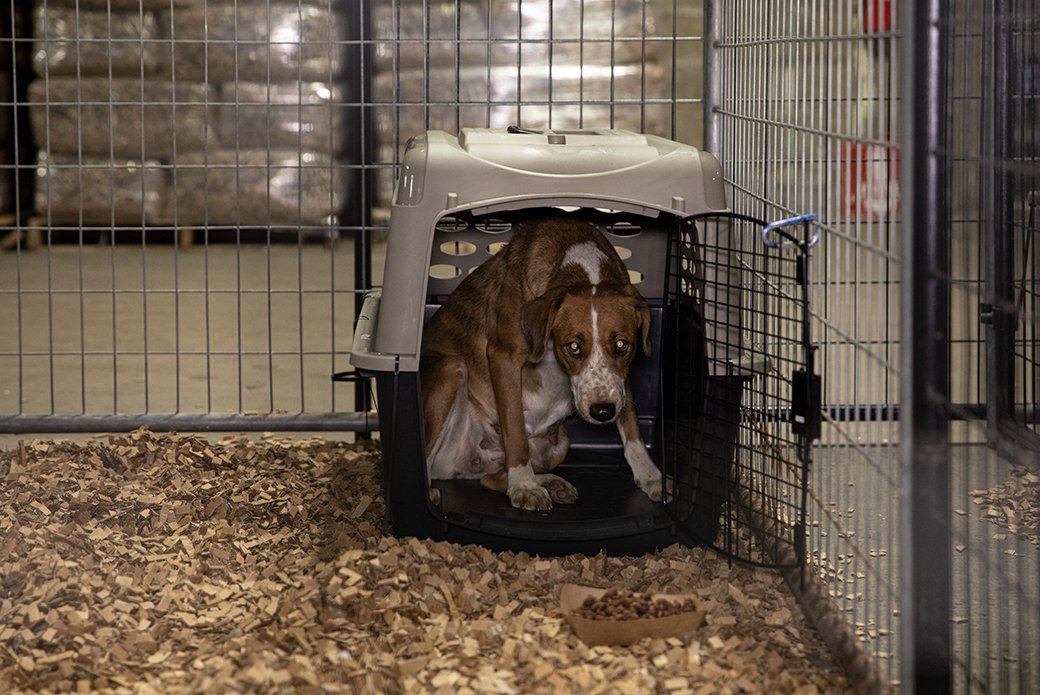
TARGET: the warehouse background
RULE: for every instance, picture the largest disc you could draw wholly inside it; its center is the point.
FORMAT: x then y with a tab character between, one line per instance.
191	194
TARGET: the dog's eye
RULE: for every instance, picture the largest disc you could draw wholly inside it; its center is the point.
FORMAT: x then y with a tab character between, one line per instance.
574	348
621	345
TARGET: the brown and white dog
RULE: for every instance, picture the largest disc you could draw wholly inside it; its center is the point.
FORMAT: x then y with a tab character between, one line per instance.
548	325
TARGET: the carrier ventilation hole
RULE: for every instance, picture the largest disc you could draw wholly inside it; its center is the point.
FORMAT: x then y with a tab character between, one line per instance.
451	223
443	271
635	277
458	248
624	229
623	253
496	247
494	226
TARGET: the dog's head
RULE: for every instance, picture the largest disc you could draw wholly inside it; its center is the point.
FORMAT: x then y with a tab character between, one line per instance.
594	331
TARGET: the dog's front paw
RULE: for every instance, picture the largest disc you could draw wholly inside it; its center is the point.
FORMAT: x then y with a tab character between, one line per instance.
650	483
559	489
531	497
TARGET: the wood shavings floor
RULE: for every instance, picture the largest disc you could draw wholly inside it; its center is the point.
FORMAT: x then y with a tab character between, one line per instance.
1015	504
153	563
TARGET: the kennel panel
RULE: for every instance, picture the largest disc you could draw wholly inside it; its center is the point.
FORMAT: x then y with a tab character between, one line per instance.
174	181
926	331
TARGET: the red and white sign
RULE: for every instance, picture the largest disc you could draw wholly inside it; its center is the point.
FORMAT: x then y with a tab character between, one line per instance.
877	16
870	177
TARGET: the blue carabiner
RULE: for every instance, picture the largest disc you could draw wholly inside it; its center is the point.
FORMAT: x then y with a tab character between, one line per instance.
779	225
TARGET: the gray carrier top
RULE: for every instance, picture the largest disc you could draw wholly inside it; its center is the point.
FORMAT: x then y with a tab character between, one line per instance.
485	171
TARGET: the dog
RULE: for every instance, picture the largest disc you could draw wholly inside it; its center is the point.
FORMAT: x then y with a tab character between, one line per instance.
547	326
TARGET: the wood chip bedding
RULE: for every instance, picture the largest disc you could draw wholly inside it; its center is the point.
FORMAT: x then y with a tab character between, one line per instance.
1015	505
164	563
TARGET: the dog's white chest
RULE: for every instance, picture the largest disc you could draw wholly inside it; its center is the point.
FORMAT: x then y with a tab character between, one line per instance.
553	401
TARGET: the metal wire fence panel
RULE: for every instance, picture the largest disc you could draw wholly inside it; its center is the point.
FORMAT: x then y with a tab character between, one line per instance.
178	180
804	111
802	106
990	152
190	193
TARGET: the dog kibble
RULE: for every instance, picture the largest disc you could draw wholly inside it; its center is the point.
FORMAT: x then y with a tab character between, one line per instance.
622	604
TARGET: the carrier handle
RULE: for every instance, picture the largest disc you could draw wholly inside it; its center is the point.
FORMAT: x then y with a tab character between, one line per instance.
778	227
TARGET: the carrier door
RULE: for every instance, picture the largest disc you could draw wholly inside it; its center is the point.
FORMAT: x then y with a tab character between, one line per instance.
740	396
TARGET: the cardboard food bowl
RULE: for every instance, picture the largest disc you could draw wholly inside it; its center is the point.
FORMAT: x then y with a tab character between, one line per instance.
625	632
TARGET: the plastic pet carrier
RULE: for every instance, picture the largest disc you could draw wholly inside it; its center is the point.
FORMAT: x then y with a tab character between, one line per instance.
723	400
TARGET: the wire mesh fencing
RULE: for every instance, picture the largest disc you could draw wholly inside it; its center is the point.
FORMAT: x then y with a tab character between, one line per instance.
802	116
180	186
989	155
809	115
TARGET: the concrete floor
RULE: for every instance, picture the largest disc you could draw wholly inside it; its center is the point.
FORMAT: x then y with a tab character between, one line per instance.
104	329
995	574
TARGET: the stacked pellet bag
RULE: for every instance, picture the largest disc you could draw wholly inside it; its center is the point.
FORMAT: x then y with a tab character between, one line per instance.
192	112
446	64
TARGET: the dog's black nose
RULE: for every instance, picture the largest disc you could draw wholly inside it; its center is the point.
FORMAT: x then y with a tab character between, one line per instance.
601	412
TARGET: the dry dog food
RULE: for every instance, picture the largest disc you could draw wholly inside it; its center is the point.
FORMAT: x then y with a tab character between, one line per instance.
622	604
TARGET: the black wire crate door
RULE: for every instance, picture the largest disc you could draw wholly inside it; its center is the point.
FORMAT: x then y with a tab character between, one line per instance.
741	400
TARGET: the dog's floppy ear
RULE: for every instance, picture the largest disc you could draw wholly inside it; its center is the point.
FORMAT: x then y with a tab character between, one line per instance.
642	315
536	319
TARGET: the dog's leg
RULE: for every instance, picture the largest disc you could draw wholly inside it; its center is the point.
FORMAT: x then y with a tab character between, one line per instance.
647	475
444	410
441	380
547	451
507	362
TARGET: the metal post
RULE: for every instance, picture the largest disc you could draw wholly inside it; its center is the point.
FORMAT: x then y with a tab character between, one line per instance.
360	208
924	554
998	222
712	78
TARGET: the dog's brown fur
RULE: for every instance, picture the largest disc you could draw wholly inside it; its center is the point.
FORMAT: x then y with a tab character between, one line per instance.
494	400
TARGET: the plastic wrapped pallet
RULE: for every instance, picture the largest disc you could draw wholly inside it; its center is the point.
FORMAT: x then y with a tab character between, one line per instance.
254	42
596	95
505	84
403	24
125	5
593	31
257	188
603	57
125	116
105	191
91	42
294	115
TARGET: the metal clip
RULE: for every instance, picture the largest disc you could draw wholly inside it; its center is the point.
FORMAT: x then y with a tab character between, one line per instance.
779	226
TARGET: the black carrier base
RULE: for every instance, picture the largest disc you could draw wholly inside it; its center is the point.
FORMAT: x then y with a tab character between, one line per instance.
611	514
